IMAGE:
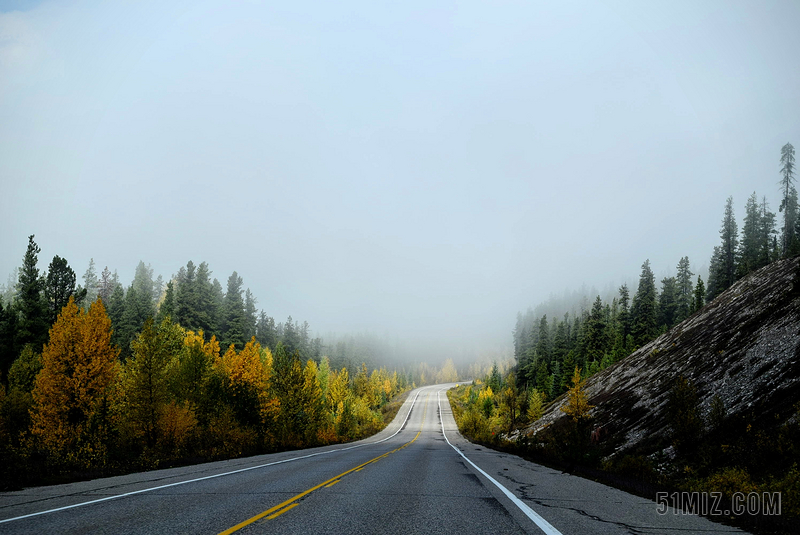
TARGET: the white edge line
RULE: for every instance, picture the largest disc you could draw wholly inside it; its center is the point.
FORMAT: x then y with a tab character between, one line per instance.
543	524
107	498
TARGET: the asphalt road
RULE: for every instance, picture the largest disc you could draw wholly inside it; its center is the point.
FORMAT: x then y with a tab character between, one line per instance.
406	479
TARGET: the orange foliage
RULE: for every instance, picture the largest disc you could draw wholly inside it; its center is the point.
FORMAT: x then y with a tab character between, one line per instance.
71	393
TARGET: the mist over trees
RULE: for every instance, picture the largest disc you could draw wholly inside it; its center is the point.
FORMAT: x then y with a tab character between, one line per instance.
547	348
108	377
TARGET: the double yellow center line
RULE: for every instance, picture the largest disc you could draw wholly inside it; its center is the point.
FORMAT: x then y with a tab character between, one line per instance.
278	510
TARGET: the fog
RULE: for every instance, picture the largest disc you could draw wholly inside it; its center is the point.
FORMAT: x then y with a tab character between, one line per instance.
419	171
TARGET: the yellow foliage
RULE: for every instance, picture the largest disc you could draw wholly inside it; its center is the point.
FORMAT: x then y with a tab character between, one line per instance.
245	367
71	393
339	389
577	405
535	405
177	423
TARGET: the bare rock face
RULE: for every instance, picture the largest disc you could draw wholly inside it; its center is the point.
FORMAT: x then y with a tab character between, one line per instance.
744	346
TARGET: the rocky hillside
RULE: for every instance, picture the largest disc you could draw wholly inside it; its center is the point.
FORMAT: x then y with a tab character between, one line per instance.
744	346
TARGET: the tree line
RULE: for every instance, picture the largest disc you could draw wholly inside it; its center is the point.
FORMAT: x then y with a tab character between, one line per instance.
97	377
547	350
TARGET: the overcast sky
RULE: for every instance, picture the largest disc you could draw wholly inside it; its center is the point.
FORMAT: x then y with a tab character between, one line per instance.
424	169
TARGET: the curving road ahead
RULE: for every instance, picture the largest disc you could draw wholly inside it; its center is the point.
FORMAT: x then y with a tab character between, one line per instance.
416	476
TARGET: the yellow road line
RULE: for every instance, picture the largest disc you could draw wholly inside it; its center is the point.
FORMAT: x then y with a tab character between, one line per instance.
272	512
279	513
332	484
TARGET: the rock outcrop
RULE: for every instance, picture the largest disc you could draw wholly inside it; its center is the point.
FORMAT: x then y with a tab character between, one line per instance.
744	346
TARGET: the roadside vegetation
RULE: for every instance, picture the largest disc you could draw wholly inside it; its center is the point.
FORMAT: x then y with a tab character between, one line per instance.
705	450
170	374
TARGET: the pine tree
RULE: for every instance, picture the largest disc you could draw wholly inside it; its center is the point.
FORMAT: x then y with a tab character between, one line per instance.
729	247
116	311
750	252
30	304
143	282
699	295
167	308
73	391
8	349
206	305
250	314
59	287
644	319
186	298
624	317
90	284
767	235
668	303
684	290
105	287
595	342
235	325
543	344
716	275
789	199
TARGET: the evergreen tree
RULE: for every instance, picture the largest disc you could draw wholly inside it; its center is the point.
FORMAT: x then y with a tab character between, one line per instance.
30	304
104	286
206	303
235	325
668	303
750	252
715	274
167	308
59	287
143	282
8	349
789	199
543	345
767	242
595	326
290	339
729	248
90	284
699	295
250	314
644	319
186	298
624	317
265	331
683	281
116	312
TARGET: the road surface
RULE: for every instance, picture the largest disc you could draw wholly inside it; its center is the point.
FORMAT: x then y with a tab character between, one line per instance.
416	476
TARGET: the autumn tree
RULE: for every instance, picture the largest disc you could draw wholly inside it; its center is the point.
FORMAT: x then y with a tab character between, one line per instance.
577	406
147	375
72	394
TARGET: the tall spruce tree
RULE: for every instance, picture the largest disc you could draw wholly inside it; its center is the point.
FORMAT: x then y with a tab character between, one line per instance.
30	304
750	244
644	317
729	248
699	295
59	287
684	289
788	201
668	303
235	324
90	284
